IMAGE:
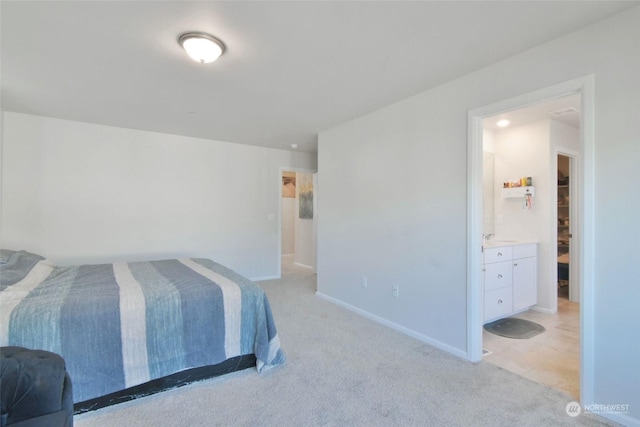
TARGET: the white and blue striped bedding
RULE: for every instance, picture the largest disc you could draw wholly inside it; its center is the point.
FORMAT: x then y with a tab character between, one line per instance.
120	325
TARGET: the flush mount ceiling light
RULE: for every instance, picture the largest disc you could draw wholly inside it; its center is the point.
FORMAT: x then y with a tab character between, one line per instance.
503	123
202	47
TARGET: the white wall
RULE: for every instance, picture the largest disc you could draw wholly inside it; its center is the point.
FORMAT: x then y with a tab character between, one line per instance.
393	209
80	193
394	189
565	137
488	181
526	151
487	140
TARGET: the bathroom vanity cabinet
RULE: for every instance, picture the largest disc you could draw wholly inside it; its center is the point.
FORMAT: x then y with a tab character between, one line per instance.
510	279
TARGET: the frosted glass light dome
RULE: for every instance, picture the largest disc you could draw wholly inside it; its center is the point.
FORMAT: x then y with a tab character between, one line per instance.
201	47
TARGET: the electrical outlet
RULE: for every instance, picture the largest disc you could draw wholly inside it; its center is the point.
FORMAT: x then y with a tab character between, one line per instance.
395	291
363	282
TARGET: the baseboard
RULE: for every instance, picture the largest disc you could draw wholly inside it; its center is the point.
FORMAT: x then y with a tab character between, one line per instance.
420	337
544	310
258	279
303	265
623	419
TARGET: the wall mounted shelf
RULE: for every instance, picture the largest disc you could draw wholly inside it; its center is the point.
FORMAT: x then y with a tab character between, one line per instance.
517	192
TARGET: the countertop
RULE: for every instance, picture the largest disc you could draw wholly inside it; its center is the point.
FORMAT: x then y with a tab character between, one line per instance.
501	243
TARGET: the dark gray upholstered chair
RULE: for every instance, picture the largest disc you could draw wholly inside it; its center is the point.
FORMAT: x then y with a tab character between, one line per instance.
35	389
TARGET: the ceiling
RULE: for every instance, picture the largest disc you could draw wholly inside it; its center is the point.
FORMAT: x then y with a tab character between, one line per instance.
565	110
291	69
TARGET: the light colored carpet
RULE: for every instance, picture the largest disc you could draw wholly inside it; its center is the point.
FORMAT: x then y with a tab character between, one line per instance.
345	370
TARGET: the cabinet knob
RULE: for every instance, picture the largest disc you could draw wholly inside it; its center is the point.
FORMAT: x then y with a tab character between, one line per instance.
499	253
499	276
499	301
515	264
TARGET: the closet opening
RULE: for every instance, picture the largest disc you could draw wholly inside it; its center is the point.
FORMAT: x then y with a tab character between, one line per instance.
568	273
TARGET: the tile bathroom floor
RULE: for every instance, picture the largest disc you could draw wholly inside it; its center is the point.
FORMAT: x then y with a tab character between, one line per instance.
551	358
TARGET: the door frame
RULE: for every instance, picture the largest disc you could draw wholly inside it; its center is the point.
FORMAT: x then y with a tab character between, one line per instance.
586	188
279	216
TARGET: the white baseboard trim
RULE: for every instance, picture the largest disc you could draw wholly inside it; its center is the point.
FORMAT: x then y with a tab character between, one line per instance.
544	310
302	265
622	419
258	279
420	337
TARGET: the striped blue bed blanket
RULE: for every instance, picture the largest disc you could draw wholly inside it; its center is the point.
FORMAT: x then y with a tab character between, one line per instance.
123	324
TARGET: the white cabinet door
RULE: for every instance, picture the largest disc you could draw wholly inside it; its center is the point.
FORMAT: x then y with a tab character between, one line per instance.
525	289
497	303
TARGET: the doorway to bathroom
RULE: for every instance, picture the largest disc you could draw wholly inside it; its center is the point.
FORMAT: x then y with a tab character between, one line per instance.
570	367
521	151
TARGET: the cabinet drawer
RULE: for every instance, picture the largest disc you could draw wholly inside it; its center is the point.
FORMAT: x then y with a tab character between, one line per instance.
497	303
497	254
524	251
498	275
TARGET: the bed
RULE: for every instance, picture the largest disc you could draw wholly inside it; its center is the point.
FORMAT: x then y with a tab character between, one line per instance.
130	329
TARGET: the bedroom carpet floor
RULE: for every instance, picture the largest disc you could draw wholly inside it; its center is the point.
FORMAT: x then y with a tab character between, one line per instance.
345	370
551	358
